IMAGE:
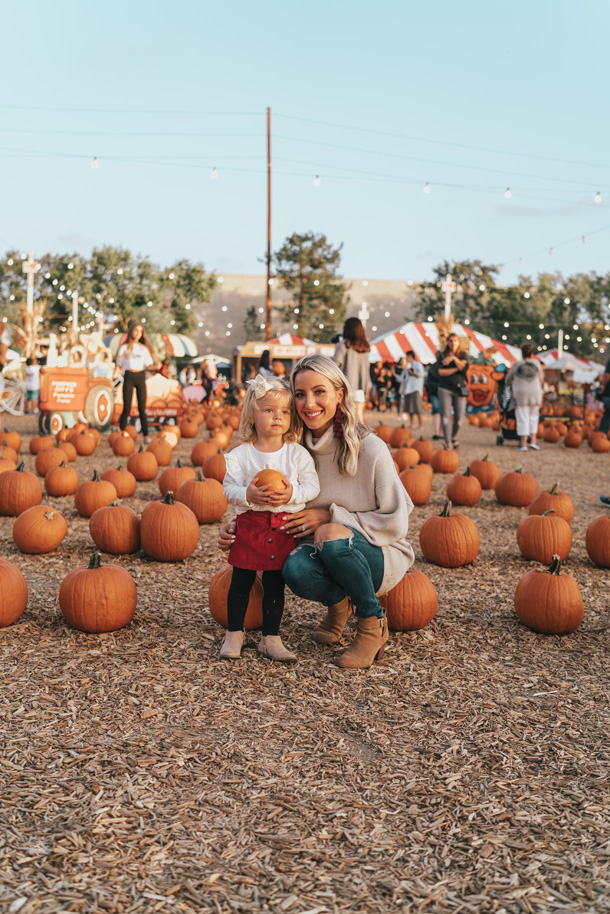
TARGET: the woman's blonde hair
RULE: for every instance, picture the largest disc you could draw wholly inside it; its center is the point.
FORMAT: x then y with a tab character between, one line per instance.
353	430
276	388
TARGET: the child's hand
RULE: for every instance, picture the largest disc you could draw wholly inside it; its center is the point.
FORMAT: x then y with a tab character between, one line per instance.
281	497
256	495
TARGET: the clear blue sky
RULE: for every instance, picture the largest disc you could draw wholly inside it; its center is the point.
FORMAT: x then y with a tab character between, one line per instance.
528	77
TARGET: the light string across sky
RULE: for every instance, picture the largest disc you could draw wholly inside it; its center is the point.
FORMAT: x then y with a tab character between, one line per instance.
587	194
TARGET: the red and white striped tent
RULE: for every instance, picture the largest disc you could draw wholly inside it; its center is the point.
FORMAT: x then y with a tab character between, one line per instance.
290	339
423	339
583	370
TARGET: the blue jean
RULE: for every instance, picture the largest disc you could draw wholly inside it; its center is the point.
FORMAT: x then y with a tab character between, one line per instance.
604	425
345	567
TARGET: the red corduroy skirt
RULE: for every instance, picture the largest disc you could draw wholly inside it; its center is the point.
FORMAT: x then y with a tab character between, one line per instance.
259	544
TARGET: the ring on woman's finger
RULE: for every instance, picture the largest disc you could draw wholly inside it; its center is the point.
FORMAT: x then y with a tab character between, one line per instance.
303	527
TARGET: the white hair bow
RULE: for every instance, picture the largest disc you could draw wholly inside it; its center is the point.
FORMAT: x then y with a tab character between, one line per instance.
260	386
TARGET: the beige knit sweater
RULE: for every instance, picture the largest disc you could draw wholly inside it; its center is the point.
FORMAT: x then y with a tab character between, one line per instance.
374	501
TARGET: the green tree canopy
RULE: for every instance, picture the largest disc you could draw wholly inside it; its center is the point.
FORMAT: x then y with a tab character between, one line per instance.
307	265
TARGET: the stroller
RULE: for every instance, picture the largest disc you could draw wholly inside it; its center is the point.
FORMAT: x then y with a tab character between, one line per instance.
507	430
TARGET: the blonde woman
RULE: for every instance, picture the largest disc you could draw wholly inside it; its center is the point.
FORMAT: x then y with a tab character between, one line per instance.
354	533
133	358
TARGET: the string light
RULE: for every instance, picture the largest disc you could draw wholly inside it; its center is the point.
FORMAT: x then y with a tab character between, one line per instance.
541	326
584	239
427	187
10	263
508	193
526	295
316	181
94	162
506	324
550	250
598	197
566	301
214	174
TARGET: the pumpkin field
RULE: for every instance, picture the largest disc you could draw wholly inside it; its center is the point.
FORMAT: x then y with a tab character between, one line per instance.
467	771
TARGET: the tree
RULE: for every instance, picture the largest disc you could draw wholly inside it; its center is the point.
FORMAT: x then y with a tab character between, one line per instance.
307	265
475	283
252	325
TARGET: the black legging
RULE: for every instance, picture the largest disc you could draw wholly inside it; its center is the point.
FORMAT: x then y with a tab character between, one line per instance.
135	379
239	594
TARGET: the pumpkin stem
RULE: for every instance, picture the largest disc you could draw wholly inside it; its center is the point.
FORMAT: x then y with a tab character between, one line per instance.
519	470
178	464
63	463
169	499
446	512
467	473
21	467
547	512
486	457
141	451
555	566
95	477
554	491
95	561
199	477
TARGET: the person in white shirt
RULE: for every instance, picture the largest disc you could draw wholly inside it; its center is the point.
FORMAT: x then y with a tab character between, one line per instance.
133	358
32	385
411	389
260	544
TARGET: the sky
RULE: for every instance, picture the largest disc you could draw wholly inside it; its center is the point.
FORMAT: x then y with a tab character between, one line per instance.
377	99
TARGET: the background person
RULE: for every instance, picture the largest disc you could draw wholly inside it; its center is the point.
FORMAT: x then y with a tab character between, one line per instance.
352	357
526	377
264	365
431	387
32	385
411	388
452	391
133	358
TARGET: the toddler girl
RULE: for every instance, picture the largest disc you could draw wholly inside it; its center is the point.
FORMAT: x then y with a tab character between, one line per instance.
259	543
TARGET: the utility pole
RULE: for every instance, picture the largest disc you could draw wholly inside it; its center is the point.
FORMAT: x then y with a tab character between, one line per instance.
75	312
30	268
268	328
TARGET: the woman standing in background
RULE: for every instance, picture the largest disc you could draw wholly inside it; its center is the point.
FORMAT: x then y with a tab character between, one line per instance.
452	390
133	358
526	378
352	357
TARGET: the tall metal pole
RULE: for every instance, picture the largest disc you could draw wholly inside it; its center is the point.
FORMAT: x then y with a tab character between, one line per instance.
268	328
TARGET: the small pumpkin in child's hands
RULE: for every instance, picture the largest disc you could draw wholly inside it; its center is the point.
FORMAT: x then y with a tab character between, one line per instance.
271	478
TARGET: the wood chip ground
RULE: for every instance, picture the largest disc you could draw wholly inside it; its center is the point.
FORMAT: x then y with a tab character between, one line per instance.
467	772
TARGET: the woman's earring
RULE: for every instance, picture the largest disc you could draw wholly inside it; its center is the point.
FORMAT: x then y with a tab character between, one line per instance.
338	422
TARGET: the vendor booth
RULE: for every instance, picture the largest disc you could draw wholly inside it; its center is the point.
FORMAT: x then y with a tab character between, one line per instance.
423	340
286	349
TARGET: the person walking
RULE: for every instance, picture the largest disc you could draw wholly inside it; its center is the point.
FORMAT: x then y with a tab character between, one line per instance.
134	357
452	391
526	377
411	389
352	357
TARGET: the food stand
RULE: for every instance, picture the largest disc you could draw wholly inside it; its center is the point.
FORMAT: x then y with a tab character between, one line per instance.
286	348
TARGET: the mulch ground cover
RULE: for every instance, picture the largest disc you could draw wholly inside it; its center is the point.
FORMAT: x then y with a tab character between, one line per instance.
466	772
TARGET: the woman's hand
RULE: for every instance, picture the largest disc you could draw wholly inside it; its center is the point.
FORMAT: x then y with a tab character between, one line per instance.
226	536
305	522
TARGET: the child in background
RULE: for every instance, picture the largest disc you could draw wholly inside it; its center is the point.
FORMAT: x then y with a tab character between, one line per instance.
259	544
32	385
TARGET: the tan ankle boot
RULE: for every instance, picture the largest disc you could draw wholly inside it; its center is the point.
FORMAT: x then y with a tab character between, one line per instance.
271	646
367	646
233	643
331	627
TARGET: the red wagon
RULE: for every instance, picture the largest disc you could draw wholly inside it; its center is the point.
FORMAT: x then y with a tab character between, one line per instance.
71	395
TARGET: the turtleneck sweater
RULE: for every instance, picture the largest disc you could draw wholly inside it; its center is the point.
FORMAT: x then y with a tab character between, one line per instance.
373	502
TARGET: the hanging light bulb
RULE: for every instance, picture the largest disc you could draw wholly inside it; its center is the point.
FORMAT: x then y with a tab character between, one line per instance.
598	197
316	181
584	239
214	174
550	250
508	193
427	187
94	162
521	260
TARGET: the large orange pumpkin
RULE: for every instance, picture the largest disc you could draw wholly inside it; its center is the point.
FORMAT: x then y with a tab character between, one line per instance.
204	497
61	480
445	461
217	599
406	456
172	478
597	541
11	439
169	531
541	536
384	432
449	540
19	490
115	529
516	488
548	601
13	593
424	448
417	483
553	500
49	457
143	464
486	472
39	530
124	482
98	598
411	604
202	451
464	489
400	435
93	494
123	444
215	467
